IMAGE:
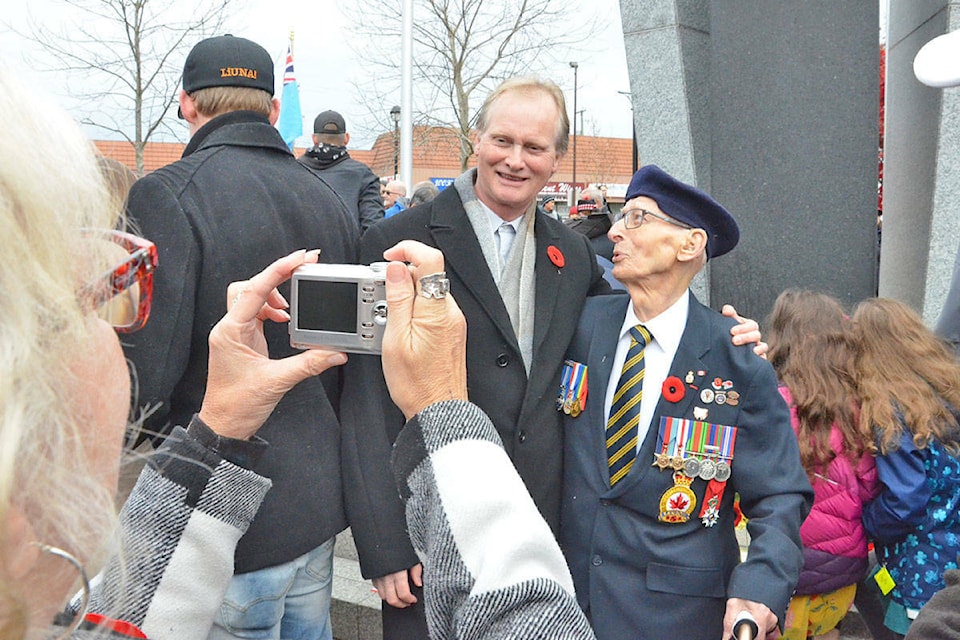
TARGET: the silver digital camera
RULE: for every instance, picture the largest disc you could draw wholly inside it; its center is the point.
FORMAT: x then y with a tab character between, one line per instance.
339	306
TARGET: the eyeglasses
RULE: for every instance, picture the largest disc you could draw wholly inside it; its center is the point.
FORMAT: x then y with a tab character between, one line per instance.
122	295
389	193
633	218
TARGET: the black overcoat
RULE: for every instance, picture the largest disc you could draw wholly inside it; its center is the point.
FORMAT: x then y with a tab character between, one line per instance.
522	409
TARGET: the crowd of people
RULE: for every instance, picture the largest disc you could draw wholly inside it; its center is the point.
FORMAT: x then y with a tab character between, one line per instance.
489	494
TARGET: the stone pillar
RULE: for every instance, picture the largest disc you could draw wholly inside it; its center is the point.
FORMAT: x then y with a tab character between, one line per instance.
921	219
780	104
668	54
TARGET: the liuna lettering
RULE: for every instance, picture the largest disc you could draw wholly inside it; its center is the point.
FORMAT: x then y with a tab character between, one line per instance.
243	72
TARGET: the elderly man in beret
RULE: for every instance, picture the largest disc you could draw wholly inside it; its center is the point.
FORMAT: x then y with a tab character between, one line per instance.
679	421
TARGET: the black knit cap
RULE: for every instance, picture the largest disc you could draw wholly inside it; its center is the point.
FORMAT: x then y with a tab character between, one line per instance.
228	61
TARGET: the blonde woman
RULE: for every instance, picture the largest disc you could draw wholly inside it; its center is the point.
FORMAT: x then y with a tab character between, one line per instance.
68	284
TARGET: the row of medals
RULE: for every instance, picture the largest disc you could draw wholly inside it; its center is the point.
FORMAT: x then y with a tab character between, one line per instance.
703	468
572	407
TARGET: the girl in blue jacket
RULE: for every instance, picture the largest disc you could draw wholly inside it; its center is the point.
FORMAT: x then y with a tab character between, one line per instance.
909	386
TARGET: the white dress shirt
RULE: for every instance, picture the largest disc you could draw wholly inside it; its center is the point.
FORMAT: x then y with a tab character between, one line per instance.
665	330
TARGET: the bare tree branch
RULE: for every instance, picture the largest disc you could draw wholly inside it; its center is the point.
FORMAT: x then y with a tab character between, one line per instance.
462	49
124	59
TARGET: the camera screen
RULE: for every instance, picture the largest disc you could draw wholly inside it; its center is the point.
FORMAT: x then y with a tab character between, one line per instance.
327	306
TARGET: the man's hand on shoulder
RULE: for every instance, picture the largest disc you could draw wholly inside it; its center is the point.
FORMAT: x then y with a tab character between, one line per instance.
746	332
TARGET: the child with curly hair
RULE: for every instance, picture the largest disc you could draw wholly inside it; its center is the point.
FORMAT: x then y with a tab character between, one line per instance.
812	351
909	387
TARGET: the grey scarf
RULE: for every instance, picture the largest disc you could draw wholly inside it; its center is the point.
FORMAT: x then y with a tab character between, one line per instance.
516	281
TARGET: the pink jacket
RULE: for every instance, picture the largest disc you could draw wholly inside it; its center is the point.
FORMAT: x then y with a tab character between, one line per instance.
834	540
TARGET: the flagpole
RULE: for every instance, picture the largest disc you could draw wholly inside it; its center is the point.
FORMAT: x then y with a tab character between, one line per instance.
406	98
290	121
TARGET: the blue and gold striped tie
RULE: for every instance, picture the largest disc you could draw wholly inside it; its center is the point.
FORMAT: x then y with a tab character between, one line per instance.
625	408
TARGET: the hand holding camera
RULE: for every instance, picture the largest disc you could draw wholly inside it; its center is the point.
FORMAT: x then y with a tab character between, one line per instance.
239	361
425	343
424	347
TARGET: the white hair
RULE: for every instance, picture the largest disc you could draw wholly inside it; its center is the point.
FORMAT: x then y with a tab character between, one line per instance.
50	188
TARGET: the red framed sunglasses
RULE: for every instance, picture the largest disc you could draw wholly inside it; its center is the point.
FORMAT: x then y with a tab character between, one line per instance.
122	295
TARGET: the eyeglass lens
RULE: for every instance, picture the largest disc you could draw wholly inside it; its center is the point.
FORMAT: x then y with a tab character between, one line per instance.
119	308
632	218
123	295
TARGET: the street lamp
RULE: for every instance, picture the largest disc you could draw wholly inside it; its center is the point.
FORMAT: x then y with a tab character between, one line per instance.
395	114
574	66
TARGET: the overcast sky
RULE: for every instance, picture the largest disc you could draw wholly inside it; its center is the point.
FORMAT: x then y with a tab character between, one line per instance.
325	65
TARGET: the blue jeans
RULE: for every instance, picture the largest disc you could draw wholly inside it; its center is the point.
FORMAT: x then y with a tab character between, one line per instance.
290	601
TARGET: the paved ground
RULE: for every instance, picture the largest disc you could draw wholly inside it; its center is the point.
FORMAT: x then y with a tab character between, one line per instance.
853	628
356	609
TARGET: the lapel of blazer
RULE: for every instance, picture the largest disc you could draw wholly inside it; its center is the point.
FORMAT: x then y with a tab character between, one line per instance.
603	348
549	288
548	284
694	344
454	236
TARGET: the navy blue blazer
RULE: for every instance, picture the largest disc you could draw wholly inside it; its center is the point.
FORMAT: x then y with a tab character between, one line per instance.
637	577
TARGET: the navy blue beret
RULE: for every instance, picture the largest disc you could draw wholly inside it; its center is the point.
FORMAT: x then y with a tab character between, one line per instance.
689	205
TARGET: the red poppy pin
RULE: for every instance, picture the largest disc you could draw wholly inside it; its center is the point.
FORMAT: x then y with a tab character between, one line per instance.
556	257
673	389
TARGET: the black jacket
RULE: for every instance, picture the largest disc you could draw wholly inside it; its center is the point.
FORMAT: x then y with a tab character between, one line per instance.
595	226
522	409
234	203
354	182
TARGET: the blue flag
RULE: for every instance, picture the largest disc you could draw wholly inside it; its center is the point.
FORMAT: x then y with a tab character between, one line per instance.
290	123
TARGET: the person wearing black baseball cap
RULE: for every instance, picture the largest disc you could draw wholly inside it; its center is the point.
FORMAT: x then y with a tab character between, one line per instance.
669	388
236	201
354	181
227	61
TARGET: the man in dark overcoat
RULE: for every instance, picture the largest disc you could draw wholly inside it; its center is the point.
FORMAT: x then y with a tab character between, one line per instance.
353	181
236	201
521	279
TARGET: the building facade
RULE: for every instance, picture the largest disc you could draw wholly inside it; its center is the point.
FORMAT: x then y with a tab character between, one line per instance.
436	156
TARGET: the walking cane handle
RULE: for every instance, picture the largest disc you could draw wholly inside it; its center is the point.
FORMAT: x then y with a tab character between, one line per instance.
745	626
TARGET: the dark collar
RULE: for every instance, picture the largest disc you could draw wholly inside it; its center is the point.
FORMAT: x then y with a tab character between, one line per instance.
227	119
326	155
